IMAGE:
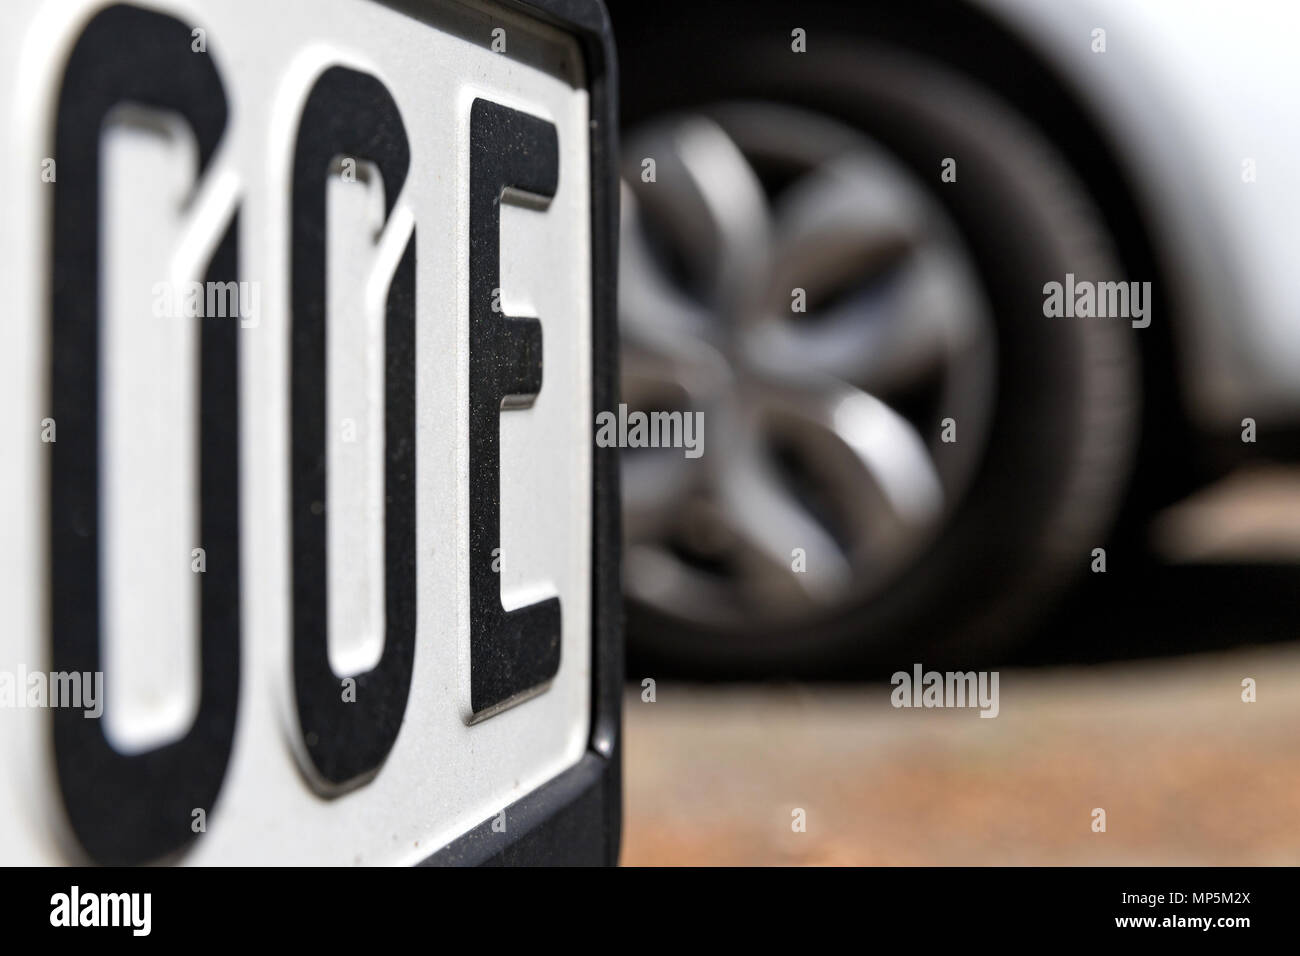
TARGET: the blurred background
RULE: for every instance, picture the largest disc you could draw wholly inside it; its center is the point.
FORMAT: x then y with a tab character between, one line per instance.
838	222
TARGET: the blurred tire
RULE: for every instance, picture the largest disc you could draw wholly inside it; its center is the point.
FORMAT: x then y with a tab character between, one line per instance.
1058	451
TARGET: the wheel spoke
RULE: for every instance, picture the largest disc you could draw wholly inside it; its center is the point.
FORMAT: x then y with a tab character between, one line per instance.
654	483
876	448
769	522
845	221
707	194
650	304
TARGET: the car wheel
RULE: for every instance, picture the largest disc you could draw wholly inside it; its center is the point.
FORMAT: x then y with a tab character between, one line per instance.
903	458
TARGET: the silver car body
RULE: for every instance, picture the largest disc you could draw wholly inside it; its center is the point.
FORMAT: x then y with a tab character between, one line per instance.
1192	93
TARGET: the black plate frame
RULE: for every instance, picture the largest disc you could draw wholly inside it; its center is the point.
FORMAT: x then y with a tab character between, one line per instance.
576	819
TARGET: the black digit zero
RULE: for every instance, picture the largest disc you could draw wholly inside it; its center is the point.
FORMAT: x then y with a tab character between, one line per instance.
511	653
352	114
132	808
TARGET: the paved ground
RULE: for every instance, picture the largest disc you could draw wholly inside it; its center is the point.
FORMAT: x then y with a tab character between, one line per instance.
1186	771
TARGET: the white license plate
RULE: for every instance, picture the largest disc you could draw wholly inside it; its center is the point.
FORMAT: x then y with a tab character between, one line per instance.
304	528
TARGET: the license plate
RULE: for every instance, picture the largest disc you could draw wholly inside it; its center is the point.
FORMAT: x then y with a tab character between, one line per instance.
309	556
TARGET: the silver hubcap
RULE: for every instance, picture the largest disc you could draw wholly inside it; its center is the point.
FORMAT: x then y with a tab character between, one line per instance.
821	427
